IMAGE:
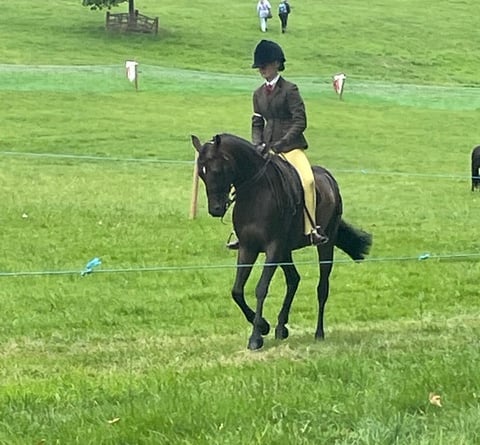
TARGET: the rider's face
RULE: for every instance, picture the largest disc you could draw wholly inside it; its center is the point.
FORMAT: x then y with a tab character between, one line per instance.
269	71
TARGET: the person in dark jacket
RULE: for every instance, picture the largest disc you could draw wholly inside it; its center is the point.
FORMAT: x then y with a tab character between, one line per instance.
283	12
278	123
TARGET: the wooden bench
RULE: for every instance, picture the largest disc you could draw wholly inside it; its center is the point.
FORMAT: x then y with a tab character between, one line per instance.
131	23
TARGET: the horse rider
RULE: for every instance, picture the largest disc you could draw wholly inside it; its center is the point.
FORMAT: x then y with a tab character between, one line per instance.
278	123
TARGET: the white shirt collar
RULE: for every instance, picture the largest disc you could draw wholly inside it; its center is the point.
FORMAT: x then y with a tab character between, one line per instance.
274	81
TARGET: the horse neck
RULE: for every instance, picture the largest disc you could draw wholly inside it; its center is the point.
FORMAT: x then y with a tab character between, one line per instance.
249	167
268	182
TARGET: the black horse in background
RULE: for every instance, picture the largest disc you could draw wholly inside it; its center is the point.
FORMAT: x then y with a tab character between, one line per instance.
476	168
268	217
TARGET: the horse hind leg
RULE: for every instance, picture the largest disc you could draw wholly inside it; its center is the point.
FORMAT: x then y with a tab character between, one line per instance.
292	280
325	253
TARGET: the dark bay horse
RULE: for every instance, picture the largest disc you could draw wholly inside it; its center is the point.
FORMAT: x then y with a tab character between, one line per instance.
476	168
268	217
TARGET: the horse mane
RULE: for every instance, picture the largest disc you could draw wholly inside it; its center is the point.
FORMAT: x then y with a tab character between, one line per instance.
282	178
238	142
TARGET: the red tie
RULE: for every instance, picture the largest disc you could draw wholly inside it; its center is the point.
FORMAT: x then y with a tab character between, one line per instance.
269	88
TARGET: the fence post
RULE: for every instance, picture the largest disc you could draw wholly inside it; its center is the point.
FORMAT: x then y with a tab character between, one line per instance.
194	200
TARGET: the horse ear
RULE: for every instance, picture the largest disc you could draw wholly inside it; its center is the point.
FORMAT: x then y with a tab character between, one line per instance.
196	143
217	140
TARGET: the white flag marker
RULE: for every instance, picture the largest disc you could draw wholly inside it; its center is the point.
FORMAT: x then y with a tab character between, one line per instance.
339	83
131	69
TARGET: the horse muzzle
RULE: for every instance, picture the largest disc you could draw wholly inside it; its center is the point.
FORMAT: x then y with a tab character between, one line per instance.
217	210
218	205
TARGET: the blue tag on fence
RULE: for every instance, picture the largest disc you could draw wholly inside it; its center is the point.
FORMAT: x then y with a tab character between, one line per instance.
91	265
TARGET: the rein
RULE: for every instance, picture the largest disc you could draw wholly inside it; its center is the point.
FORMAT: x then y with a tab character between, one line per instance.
249	182
284	185
290	197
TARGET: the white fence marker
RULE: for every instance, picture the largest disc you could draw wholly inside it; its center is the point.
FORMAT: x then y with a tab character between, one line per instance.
131	69
339	83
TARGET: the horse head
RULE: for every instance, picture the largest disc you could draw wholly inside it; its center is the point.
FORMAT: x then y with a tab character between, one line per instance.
215	169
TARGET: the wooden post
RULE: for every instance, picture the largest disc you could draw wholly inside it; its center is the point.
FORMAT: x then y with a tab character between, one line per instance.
195	180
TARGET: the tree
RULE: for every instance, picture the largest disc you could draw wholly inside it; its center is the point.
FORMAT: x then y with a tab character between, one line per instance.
100	4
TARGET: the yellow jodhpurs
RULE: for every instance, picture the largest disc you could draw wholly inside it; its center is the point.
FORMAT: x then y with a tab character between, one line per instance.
299	160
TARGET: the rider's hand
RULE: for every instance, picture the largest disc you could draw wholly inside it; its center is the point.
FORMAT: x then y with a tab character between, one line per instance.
262	148
276	147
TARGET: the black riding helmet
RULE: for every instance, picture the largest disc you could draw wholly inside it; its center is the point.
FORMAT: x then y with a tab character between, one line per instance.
267	52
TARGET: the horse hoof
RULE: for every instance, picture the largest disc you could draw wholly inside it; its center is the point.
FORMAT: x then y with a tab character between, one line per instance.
264	327
320	336
281	332
255	343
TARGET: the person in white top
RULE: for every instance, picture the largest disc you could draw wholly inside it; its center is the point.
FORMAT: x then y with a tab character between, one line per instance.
264	13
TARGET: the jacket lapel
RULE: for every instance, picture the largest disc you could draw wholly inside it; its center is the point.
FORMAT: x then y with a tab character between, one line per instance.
278	88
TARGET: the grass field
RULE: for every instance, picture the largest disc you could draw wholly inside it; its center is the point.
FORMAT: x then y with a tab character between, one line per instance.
150	348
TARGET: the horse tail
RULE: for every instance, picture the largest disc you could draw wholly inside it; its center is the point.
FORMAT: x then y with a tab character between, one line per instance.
353	241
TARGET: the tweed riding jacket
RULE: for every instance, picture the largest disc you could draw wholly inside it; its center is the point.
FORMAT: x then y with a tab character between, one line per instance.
279	117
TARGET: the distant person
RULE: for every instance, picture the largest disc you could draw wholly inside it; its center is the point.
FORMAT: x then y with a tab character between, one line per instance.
264	11
283	12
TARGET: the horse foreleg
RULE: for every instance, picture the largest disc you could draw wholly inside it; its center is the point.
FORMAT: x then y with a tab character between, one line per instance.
325	254
260	325
245	261
292	279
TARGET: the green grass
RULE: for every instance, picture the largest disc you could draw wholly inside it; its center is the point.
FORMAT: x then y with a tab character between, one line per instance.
92	168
